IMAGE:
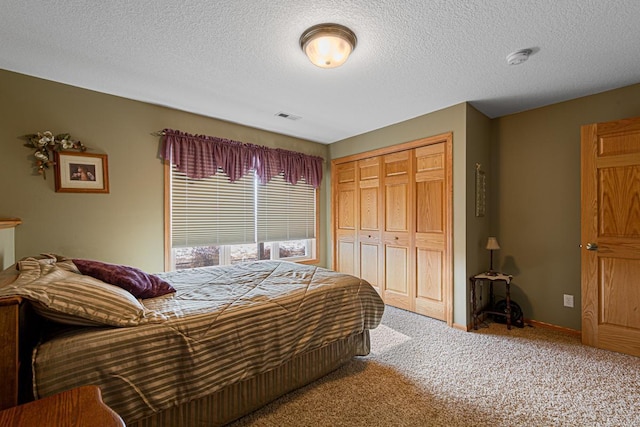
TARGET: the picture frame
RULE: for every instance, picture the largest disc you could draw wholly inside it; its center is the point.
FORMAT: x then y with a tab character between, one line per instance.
81	172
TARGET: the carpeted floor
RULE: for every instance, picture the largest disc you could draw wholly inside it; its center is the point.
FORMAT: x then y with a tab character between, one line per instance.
422	373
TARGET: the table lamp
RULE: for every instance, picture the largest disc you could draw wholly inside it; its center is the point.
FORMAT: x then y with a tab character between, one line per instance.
492	245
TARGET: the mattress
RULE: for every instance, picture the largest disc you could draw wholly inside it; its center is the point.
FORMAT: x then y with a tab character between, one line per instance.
225	325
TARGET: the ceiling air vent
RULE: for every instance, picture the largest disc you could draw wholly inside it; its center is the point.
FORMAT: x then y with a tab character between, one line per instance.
287	116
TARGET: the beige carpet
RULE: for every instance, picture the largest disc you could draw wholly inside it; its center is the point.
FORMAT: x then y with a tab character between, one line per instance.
422	373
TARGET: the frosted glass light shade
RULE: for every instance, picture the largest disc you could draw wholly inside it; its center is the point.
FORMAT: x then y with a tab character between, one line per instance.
492	244
328	45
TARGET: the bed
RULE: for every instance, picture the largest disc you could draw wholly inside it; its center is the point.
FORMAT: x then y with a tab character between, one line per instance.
221	343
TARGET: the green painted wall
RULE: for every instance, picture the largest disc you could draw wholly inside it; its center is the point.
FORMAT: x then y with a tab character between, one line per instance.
532	162
536	208
532	165
477	227
127	225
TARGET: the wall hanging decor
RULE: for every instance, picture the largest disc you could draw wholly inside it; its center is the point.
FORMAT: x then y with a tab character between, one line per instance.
81	172
46	143
481	191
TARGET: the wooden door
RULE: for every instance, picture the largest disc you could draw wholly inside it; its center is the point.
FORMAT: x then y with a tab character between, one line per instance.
611	235
430	243
397	239
370	222
345	218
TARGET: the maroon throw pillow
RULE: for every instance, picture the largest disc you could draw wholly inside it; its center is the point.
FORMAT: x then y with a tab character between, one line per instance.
137	282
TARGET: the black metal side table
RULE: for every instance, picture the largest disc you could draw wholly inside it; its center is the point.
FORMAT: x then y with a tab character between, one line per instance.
492	277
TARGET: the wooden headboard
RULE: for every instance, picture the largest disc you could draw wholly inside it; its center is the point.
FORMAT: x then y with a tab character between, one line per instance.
19	333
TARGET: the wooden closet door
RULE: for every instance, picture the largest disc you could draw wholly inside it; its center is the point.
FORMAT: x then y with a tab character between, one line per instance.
429	216
370	222
397	230
345	217
392	216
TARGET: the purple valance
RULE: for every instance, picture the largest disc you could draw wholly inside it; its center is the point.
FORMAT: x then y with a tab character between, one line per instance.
200	156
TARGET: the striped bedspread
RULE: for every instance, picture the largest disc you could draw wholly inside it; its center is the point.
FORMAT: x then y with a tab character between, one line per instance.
225	324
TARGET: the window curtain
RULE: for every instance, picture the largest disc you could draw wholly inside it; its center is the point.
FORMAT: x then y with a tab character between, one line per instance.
200	156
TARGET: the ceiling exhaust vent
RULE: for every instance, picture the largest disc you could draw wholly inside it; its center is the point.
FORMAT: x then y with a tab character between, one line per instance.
287	116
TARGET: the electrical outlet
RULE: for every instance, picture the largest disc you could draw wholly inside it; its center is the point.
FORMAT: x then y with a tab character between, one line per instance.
568	300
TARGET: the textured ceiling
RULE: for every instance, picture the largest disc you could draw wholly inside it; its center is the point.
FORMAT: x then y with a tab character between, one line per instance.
240	60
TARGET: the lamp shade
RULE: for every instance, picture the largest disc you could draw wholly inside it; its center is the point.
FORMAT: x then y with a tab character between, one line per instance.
492	244
328	45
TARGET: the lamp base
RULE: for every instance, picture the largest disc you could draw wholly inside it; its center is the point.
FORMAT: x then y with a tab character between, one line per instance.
491	273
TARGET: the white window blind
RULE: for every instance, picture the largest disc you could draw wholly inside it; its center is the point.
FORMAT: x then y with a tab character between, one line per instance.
212	211
285	211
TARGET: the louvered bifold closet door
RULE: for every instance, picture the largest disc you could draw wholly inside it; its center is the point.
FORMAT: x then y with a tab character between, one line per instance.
212	211
285	211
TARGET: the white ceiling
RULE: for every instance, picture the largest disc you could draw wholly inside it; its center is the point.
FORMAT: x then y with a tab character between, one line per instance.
240	61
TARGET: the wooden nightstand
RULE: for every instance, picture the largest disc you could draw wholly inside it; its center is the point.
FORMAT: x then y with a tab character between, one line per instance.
491	277
80	407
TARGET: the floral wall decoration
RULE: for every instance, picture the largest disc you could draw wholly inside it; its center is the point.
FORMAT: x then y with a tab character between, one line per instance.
46	143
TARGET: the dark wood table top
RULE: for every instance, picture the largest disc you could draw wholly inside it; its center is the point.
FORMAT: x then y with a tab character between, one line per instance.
80	407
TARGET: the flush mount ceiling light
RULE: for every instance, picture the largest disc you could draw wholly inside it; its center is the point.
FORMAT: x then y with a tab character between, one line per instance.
519	56
328	45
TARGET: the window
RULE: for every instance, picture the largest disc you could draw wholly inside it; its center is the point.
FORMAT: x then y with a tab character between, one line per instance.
213	221
285	211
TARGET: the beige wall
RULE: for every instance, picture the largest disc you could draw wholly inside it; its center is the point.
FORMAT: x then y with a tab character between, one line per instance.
536	208
452	119
477	227
125	226
533	171
532	164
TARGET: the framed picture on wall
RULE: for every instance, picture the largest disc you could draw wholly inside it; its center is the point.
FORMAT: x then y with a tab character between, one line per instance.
81	173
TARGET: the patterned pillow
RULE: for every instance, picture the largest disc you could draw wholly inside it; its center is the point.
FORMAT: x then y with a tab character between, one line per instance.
71	298
137	282
59	261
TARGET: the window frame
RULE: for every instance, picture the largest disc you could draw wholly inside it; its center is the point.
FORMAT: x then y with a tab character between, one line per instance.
168	261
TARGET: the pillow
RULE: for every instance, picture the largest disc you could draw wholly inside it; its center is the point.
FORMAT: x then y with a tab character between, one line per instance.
71	298
59	260
137	282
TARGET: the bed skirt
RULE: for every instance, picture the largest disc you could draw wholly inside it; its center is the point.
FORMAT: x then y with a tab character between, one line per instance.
239	399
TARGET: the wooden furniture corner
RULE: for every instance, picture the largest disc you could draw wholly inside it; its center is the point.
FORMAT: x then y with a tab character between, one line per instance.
9	356
79	407
16	343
